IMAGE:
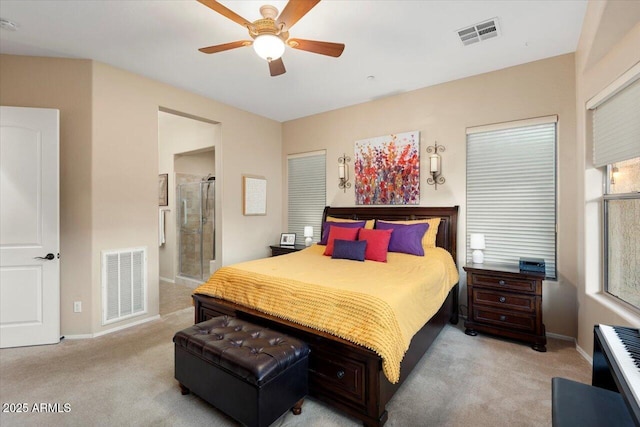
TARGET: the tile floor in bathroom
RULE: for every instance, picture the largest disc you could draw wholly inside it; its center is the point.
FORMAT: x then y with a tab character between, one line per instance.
174	297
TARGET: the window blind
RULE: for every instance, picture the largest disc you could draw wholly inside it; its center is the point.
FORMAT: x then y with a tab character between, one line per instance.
511	193
616	127
307	193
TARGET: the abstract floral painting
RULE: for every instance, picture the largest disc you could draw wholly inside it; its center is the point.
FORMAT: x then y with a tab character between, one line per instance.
387	170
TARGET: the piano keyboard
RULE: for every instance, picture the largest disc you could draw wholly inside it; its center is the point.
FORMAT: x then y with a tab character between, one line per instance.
624	344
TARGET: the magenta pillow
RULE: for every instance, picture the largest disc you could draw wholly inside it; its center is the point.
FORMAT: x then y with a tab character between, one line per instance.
377	243
341	233
346	249
327	224
405	238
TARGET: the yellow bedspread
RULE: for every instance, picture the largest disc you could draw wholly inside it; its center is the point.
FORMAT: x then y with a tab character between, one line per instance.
377	305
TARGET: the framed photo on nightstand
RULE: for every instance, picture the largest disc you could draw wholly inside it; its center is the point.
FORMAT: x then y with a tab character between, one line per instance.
288	239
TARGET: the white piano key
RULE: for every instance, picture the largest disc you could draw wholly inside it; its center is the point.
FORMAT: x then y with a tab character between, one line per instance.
630	371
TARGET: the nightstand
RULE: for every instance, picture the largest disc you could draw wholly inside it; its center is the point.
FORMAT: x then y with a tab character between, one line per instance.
281	249
502	300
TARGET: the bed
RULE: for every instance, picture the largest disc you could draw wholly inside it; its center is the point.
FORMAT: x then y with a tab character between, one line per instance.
351	377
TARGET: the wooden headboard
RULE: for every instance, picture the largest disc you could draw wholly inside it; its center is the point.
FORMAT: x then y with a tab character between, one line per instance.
447	231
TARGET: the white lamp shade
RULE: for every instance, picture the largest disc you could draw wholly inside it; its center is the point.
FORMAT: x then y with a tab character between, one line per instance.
268	47
308	231
476	241
308	234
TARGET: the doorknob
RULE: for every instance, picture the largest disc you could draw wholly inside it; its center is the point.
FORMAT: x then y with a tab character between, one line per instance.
48	256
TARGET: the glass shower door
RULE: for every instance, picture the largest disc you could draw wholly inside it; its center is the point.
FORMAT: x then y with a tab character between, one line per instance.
190	226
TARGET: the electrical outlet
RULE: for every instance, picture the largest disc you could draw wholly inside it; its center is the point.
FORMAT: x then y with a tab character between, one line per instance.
77	306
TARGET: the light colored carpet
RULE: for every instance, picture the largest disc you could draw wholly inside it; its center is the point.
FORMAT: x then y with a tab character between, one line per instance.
126	379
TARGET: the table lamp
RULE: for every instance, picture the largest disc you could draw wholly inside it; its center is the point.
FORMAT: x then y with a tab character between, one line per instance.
308	234
477	244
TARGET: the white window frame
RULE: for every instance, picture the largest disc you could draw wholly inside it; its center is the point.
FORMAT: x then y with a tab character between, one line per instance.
604	156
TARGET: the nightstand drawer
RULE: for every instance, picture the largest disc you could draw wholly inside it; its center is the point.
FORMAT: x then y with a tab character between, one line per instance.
505	282
511	320
505	300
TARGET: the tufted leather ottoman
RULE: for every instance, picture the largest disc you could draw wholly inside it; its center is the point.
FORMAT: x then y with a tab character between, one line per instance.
251	373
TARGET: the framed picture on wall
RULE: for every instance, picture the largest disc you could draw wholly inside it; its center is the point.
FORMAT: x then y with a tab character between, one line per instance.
254	195
287	239
163	186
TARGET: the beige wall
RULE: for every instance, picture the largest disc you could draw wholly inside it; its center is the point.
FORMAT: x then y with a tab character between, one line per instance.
109	162
201	163
66	85
442	113
608	47
125	109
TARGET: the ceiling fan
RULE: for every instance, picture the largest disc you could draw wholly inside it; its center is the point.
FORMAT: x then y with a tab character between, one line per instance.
270	34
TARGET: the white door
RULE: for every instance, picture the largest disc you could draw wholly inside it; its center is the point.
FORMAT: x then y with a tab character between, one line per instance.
29	227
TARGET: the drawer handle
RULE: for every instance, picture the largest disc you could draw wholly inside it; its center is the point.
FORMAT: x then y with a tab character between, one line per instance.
502	299
502	282
340	374
503	317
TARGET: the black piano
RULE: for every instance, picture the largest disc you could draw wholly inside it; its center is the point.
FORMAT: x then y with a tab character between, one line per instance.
612	398
616	364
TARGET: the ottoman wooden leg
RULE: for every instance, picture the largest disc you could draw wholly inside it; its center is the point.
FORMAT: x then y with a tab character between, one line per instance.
184	390
297	408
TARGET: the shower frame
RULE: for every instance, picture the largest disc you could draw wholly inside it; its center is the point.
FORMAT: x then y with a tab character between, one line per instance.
206	215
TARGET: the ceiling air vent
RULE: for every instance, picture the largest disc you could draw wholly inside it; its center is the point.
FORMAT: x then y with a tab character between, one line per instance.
479	32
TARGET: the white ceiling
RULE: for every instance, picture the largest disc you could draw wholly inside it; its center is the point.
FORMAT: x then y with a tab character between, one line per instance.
404	45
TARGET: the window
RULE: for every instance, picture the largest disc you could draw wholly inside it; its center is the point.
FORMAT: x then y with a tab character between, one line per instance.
616	149
622	231
511	190
306	179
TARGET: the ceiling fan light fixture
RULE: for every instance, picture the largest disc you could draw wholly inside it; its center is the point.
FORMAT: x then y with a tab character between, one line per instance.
268	46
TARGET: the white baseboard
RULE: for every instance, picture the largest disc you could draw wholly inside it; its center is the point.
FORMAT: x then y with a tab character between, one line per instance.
109	331
164	279
584	354
561	337
579	349
78	337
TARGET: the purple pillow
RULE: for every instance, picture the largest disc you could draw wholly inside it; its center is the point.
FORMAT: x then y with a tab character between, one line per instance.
349	249
327	224
406	238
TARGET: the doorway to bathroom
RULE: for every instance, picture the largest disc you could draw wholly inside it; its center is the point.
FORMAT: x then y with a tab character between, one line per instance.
188	242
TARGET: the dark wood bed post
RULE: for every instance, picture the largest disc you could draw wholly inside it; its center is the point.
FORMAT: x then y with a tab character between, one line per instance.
342	374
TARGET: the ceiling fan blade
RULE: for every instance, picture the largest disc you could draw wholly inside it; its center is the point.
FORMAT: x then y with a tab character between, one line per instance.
323	48
222	10
294	10
227	46
276	67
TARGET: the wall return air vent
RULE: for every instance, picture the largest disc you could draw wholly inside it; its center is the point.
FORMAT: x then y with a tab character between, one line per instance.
479	32
124	284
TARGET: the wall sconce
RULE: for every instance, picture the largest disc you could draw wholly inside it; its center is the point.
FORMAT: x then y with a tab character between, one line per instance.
434	165
343	172
614	174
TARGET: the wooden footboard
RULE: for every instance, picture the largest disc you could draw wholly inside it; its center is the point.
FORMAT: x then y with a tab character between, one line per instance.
342	374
